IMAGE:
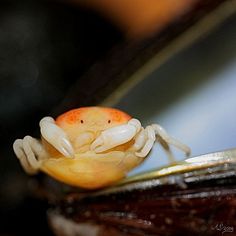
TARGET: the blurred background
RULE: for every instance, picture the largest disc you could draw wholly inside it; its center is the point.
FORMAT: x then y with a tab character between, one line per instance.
142	58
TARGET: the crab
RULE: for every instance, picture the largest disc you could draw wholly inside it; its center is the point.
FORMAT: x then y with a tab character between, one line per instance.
91	147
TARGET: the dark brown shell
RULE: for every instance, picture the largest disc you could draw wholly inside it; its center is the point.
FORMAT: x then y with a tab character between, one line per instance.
196	201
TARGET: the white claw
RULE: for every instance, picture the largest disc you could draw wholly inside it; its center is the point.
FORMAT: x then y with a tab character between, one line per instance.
116	136
56	136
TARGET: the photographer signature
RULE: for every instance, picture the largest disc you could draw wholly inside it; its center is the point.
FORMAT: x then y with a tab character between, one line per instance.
223	228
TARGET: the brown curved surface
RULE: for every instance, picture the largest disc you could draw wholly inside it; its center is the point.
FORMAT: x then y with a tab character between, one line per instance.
204	205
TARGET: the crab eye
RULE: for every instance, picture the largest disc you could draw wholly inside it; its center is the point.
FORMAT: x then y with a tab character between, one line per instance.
81	121
109	121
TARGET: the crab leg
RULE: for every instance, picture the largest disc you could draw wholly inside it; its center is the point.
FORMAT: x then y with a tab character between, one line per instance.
170	140
140	140
149	142
56	136
29	151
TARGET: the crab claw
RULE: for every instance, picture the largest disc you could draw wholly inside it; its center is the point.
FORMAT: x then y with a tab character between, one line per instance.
56	136
116	136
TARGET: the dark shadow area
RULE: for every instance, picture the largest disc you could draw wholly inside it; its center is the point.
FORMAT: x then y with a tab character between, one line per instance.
183	73
45	46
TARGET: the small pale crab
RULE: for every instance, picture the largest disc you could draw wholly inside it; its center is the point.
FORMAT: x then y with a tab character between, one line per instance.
90	147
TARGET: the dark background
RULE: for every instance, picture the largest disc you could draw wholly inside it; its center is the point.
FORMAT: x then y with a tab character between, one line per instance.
45	47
